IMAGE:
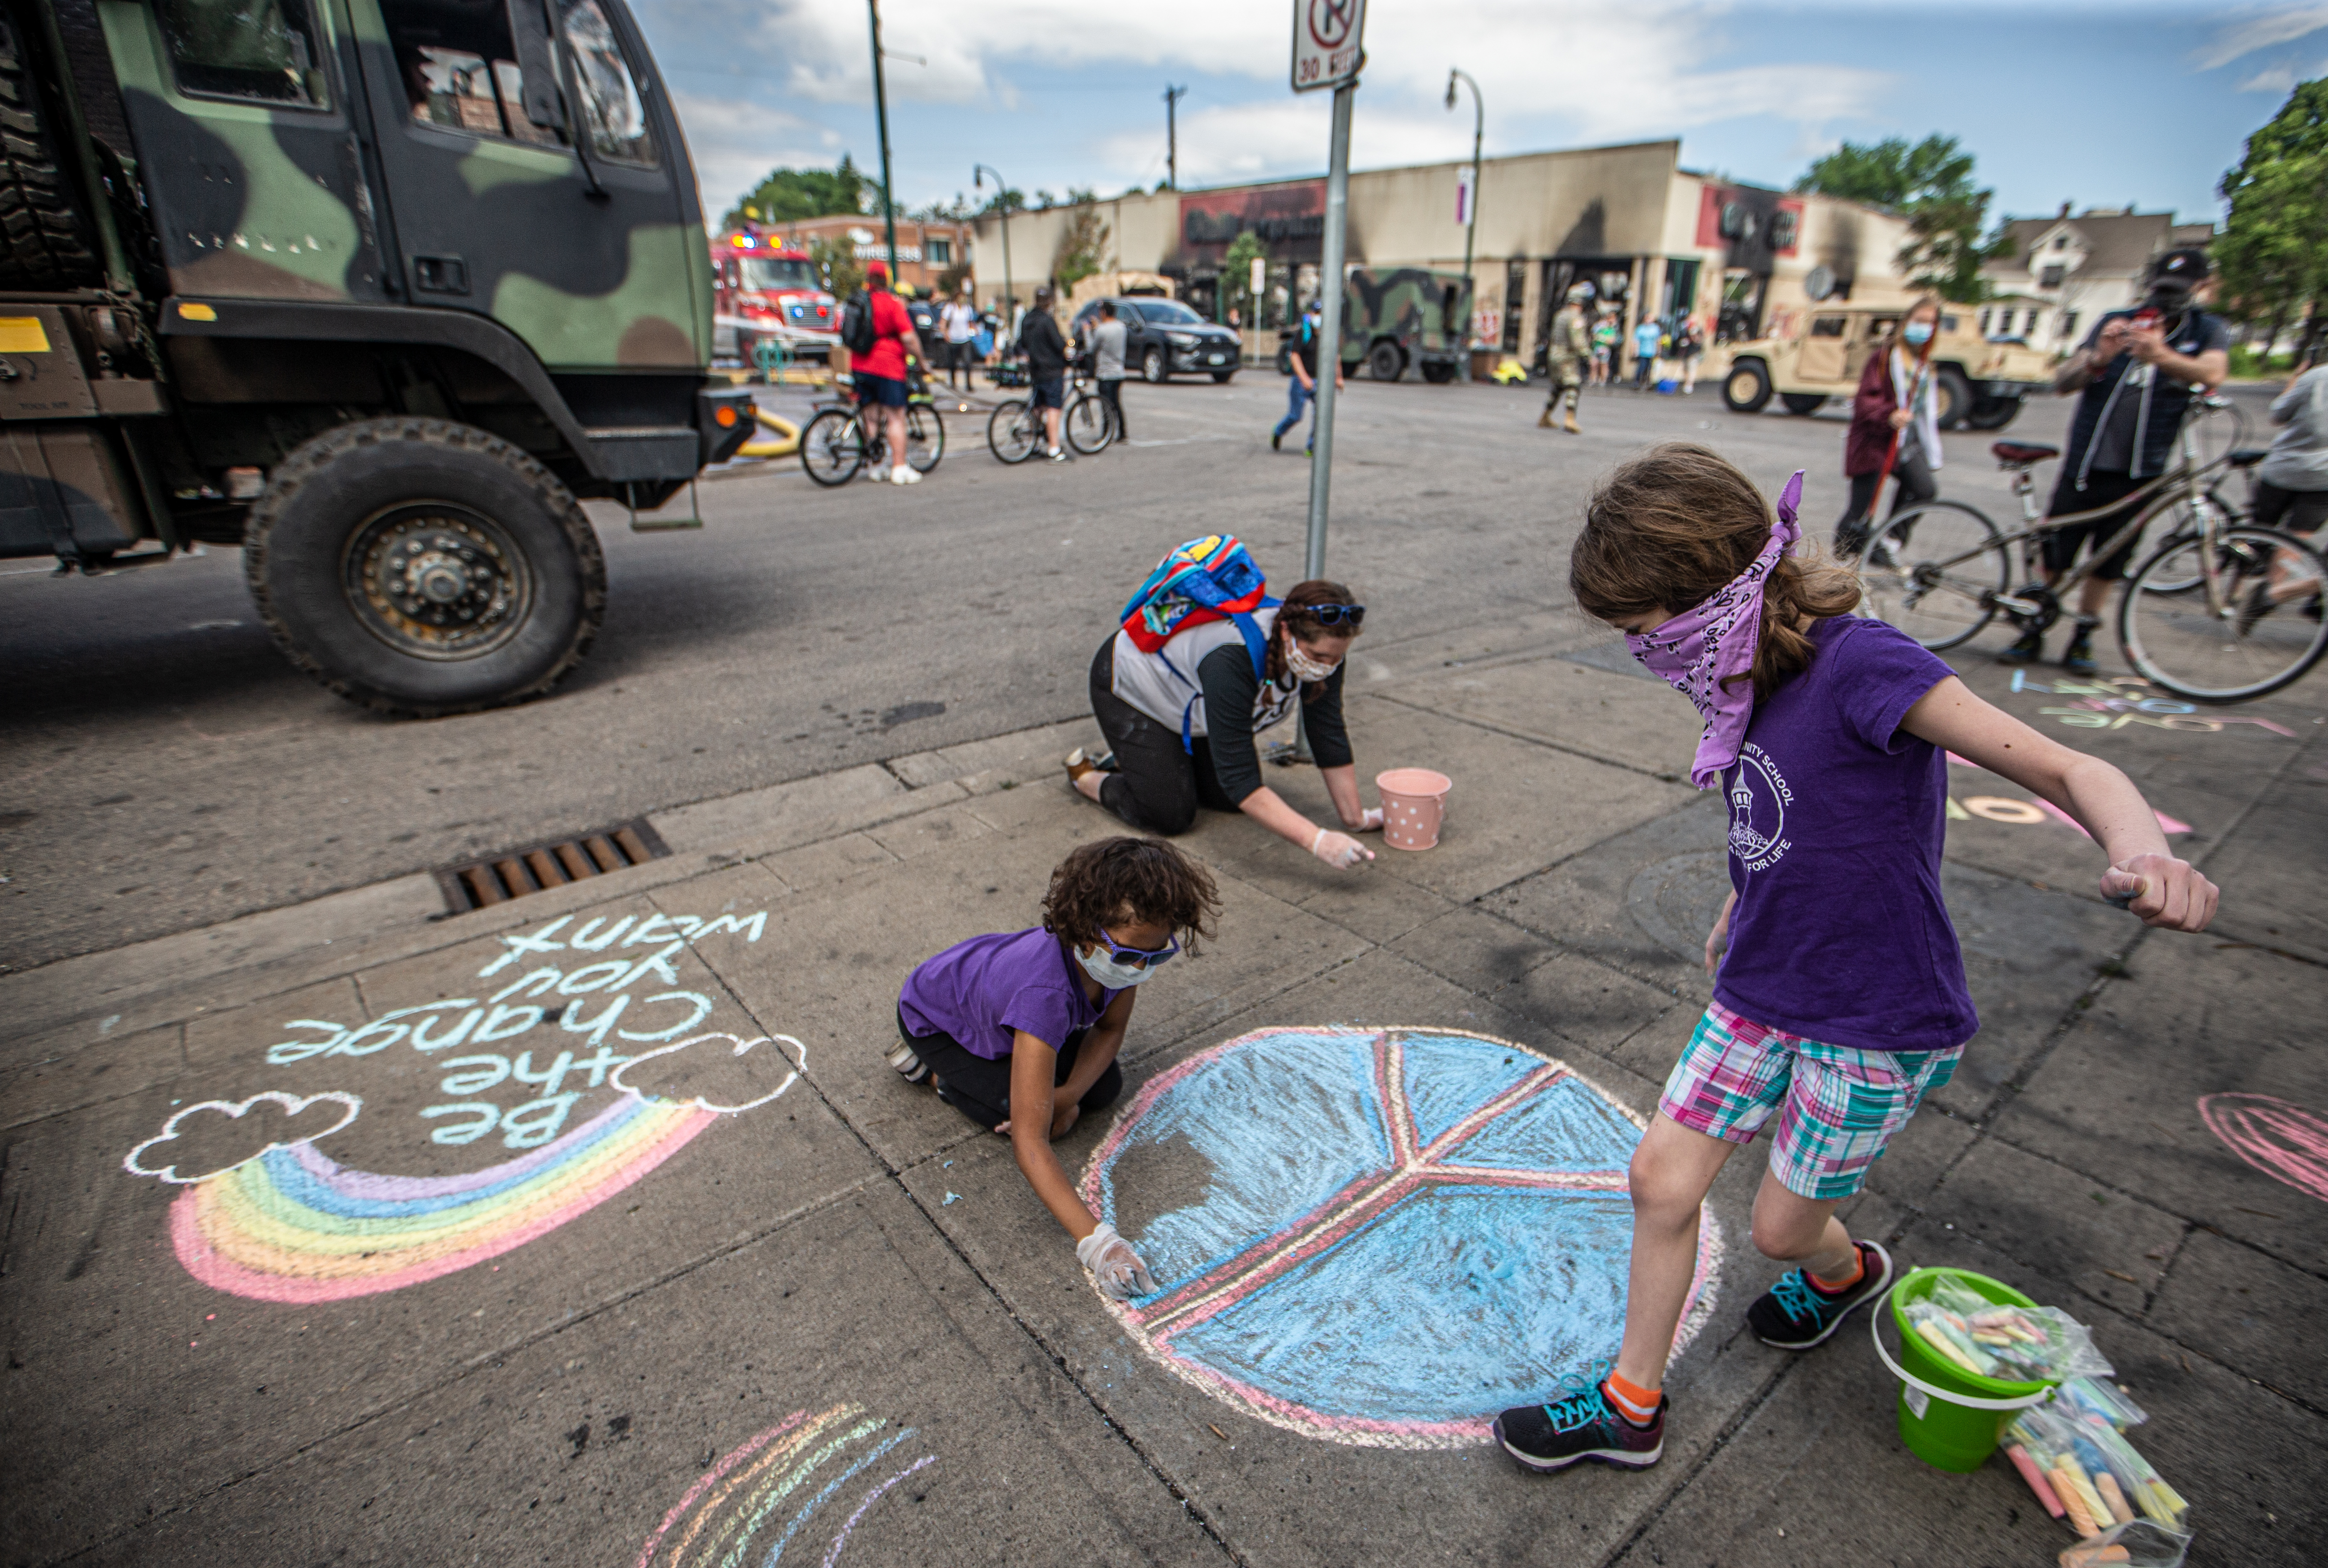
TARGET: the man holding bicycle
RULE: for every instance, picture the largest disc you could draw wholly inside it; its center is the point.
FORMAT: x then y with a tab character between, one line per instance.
2137	377
1045	348
1108	339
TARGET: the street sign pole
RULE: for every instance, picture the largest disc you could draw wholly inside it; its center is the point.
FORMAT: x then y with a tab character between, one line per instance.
881	116
1329	329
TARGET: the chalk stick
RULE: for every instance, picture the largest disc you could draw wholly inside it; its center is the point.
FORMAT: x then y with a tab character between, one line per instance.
2088	1556
2121	1512
2081	1517
2036	1479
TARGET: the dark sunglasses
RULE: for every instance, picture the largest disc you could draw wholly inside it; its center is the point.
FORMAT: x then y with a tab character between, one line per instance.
1336	615
1138	957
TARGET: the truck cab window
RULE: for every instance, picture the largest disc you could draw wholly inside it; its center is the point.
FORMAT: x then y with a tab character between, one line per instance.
618	120
459	68
266	50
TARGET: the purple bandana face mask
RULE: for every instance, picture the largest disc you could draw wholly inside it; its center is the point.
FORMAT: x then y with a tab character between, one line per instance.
1698	649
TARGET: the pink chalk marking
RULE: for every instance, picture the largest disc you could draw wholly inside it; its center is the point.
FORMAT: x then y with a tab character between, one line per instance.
871	1497
2284	1141
710	1478
2166	824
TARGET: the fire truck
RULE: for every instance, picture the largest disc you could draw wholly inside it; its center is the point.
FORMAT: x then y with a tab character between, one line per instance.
766	289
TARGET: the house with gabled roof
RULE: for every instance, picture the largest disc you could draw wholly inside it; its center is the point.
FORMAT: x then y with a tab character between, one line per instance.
2063	273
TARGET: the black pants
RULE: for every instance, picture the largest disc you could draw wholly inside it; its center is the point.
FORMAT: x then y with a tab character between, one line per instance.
980	1088
2297	511
1111	393
2104	488
1155	786
962	357
1916	486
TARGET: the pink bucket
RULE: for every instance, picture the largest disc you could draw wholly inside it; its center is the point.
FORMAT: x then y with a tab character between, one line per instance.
1413	804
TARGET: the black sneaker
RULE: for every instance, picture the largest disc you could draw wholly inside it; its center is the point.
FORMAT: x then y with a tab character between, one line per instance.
1584	1425
2027	651
1276	440
1794	1315
2078	658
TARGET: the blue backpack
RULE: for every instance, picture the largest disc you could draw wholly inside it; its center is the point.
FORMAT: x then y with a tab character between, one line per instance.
1213	579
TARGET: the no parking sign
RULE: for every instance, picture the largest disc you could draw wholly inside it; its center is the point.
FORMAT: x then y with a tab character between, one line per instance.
1327	35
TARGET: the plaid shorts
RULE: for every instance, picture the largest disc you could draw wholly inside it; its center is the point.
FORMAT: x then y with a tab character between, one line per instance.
1838	1105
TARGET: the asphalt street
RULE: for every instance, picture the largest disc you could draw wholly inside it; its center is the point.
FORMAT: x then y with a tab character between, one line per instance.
163	767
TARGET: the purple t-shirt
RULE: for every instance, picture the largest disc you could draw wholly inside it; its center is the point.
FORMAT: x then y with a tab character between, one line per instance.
982	990
1836	821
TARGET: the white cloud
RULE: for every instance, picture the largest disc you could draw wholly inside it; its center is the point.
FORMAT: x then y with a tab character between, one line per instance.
2279	79
2278	25
219	1146
735	142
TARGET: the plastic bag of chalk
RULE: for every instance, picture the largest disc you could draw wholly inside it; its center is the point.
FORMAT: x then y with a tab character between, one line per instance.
2141	1545
2020	1344
2096	1396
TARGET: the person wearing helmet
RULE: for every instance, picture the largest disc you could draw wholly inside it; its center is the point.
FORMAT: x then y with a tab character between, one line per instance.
1567	352
2136	378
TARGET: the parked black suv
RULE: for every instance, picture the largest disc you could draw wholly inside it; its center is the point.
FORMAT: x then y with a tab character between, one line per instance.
1164	338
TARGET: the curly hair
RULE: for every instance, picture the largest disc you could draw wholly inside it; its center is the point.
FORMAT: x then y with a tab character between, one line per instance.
1668	528
1120	879
1295	616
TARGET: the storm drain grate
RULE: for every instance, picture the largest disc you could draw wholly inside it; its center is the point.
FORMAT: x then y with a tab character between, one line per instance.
512	873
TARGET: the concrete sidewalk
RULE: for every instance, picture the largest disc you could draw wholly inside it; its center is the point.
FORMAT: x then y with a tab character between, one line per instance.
771	1297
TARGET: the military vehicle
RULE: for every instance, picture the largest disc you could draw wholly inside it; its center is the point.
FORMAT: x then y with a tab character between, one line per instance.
1974	382
374	289
1394	318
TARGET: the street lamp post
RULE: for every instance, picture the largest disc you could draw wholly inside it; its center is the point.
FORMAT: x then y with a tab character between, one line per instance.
978	173
1471	217
881	117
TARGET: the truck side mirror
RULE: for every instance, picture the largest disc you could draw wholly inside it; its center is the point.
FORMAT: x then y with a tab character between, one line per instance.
538	66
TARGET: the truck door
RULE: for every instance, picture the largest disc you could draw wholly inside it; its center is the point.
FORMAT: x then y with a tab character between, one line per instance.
1873	333
1822	356
245	122
593	255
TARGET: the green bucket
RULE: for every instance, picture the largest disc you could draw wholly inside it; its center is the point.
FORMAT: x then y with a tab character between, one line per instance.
1948	1417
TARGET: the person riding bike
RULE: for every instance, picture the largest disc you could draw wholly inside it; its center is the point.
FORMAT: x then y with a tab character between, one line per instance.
2137	376
880	376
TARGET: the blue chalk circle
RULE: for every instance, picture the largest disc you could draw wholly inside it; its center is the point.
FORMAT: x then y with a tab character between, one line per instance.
1384	1237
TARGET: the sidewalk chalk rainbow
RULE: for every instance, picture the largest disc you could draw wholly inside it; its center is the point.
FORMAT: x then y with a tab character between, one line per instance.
293	1226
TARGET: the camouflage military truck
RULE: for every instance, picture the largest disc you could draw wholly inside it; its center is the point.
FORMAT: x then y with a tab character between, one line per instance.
1394	318
375	289
1974	382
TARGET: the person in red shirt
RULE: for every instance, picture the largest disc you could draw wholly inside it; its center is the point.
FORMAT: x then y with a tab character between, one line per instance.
880	374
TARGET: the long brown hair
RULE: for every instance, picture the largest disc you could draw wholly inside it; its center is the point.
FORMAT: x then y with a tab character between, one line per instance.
1666	529
1295	616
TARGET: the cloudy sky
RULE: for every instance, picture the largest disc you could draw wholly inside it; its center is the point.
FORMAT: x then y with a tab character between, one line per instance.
2060	100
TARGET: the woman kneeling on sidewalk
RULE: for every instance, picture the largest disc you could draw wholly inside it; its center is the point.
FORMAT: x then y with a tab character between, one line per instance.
1020	1031
1841	1000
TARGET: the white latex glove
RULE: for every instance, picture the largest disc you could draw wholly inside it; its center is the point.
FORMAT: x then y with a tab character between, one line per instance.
1369	821
1338	850
1114	1266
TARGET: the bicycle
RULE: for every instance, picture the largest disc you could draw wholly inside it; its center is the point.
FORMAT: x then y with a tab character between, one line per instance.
1942	571
837	444
1015	429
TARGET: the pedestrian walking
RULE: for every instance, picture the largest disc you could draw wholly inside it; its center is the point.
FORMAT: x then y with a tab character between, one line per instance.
958	321
1841	1001
1045	348
2136	379
1020	1030
1688	343
1301	389
1604	347
1895	406
1108	339
1566	353
1646	338
880	374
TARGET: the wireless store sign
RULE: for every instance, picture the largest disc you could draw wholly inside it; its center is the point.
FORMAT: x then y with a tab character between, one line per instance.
1327	42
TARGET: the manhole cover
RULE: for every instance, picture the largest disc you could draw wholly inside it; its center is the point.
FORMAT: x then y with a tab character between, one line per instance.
1675	901
1379	1237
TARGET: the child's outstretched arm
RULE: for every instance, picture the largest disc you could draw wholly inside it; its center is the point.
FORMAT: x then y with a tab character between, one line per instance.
1034	1065
2168	892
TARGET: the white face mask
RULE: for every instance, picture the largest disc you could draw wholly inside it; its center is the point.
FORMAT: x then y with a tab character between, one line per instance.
1110	974
1305	668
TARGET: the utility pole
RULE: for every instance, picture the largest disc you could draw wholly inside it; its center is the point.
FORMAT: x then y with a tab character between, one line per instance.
977	172
1471	212
881	117
1172	97
1330	330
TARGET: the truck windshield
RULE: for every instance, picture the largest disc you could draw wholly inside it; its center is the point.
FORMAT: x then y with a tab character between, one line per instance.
765	272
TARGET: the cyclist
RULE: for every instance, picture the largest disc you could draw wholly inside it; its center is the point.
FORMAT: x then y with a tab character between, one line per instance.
2135	375
1045	348
880	374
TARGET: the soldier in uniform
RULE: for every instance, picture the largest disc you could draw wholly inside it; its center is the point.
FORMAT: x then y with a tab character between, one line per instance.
1567	354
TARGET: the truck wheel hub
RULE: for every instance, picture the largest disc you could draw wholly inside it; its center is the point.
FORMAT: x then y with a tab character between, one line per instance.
437	581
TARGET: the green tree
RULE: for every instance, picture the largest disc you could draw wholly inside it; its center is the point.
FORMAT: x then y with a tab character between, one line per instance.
835	255
1930	184
788	195
1236	277
1083	248
2271	264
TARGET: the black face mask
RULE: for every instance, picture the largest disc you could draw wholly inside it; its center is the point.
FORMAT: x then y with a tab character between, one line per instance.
2169	299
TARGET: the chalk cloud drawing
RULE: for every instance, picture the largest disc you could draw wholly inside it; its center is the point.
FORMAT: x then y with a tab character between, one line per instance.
2284	1141
286	1222
1404	1230
774	1488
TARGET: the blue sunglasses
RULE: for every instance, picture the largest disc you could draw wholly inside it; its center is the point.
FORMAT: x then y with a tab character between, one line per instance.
1335	614
1138	957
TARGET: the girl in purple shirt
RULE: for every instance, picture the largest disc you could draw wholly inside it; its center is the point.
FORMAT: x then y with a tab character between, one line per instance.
1020	1030
1841	999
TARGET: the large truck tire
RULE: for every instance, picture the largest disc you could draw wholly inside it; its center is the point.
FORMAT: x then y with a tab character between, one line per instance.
1385	362
1747	387
1951	397
45	241
422	568
1992	413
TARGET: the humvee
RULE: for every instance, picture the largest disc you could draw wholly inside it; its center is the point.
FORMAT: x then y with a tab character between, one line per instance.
1974	382
1393	317
375	290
